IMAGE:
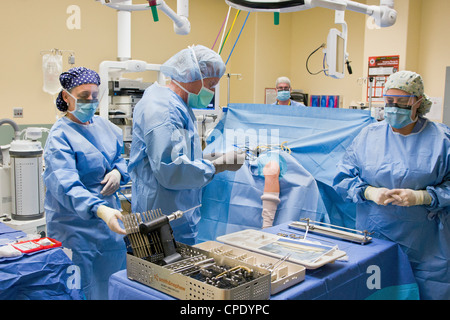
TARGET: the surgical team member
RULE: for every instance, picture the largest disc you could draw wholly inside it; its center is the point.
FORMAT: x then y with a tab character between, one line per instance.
166	164
83	170
398	173
283	87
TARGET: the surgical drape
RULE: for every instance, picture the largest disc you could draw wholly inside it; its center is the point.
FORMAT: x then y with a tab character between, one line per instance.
317	137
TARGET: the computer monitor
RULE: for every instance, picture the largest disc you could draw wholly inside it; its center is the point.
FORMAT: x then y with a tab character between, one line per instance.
336	55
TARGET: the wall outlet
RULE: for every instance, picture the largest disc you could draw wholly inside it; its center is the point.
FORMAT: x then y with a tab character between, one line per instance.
18	112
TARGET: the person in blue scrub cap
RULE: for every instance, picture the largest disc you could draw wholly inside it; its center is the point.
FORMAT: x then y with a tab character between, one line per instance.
166	165
397	171
283	87
83	171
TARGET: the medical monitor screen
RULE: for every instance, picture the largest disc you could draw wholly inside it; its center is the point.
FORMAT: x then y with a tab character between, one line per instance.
335	54
340	47
212	104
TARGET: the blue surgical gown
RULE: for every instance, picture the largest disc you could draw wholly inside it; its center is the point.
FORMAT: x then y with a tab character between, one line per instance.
77	157
420	161
166	165
293	103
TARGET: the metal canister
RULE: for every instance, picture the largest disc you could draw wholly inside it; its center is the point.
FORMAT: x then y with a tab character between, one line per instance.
27	186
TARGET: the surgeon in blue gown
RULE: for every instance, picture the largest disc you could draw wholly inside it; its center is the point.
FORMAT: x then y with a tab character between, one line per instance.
398	173
83	170
166	165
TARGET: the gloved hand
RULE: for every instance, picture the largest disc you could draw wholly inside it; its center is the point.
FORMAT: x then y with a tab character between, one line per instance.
111	216
272	168
213	155
231	161
111	182
378	195
408	197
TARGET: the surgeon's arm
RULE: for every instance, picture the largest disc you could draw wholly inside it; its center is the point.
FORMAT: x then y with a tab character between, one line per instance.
440	194
63	182
174	160
347	182
118	175
119	162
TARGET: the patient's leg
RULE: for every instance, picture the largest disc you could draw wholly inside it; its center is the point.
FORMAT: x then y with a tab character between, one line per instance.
270	198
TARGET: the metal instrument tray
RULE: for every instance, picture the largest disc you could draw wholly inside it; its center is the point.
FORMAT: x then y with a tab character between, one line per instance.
166	279
309	254
284	274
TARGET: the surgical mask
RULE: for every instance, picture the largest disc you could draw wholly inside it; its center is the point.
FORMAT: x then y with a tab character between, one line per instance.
283	95
397	117
199	100
398	114
84	108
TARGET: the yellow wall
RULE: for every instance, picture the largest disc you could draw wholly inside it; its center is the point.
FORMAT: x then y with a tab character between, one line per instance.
434	49
419	37
263	53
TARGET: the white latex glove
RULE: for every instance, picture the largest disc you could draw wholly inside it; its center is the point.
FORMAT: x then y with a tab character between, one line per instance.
111	217
270	201
408	197
231	161
378	195
111	182
212	156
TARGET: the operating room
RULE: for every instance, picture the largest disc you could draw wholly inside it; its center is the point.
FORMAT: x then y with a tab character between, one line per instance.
236	150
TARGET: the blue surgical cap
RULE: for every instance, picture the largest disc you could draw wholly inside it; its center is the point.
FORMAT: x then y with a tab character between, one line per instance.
183	66
73	78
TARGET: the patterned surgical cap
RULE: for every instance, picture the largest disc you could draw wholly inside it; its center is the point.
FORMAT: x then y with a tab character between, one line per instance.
412	83
73	78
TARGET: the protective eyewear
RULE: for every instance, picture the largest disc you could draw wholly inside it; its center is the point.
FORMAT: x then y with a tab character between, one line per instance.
399	101
80	100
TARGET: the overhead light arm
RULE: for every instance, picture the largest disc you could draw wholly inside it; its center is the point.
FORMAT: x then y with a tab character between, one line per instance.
384	14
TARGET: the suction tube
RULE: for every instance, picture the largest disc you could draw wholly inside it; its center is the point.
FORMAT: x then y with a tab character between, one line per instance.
14	125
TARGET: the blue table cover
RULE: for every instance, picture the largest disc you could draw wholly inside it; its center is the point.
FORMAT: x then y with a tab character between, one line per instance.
42	275
378	270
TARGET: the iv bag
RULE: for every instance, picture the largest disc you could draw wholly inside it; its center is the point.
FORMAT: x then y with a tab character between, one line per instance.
52	68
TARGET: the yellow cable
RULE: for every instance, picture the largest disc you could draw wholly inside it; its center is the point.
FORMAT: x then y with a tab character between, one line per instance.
229	31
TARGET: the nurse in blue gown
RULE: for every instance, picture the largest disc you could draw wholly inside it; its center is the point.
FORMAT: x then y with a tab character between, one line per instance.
398	173
83	170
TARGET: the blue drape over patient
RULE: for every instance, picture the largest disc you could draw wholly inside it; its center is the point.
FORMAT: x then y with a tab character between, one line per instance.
317	137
